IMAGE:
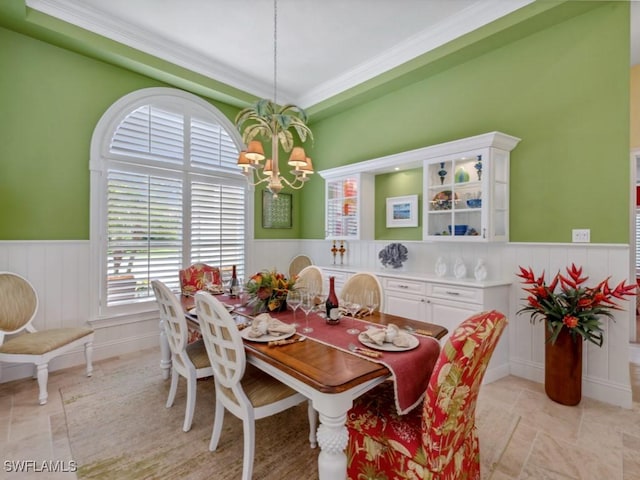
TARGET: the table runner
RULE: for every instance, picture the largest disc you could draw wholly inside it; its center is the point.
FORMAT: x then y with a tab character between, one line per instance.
410	370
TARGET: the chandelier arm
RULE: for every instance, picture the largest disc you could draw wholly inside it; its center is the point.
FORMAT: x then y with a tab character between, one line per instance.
293	184
252	176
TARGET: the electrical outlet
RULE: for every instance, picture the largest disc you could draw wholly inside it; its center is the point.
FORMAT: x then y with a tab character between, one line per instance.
581	235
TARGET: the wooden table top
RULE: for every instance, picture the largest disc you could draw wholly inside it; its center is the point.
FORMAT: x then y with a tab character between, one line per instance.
325	368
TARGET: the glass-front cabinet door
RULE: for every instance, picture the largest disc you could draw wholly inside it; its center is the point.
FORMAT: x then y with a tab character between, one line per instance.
467	196
348	207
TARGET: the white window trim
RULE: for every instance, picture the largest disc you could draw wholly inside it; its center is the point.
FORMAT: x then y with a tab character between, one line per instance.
101	158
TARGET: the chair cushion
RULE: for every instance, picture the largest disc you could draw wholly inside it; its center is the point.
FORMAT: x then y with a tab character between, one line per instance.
39	343
197	353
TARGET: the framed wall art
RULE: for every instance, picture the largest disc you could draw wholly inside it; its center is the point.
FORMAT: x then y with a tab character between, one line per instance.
276	212
402	211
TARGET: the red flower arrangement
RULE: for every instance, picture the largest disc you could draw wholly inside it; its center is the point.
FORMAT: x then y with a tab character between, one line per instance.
573	305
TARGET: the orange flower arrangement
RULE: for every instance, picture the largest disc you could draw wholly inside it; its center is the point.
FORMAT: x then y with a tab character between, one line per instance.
268	290
566	302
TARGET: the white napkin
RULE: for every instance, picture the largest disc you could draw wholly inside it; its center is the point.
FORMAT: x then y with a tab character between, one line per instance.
392	331
265	323
402	340
375	335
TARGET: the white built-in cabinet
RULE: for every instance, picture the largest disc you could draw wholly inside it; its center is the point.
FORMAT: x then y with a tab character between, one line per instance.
465	184
445	303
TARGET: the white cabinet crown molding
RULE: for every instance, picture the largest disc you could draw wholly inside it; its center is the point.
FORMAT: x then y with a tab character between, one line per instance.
414	158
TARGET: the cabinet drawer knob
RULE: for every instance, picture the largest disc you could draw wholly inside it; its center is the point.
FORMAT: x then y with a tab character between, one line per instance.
448	292
403	286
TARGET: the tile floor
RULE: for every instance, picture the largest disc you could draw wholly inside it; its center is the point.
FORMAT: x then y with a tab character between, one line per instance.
592	441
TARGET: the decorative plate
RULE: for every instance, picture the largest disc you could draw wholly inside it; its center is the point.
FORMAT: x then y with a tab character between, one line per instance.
244	333
442	200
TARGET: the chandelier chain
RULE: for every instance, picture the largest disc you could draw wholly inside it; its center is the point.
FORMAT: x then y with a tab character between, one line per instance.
275	52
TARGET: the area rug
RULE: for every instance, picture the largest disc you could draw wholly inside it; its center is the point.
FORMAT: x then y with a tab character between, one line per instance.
119	428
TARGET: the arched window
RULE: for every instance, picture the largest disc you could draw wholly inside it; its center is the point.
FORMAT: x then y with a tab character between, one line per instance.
165	192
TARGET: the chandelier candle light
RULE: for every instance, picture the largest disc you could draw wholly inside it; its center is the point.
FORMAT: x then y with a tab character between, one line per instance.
267	120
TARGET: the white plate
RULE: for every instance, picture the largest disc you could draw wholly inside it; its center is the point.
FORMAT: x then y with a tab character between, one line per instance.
192	311
389	347
244	333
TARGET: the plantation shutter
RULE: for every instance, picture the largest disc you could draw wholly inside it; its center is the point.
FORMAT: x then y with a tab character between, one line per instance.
218	225
145	234
169	164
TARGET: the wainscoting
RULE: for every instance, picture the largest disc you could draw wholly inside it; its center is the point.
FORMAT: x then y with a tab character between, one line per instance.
59	270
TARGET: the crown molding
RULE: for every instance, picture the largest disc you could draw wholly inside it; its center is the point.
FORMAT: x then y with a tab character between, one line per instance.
118	30
94	20
467	20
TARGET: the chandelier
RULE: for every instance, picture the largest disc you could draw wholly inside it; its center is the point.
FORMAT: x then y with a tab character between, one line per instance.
267	120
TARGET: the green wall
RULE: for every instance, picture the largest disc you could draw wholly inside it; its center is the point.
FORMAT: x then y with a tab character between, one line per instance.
51	100
559	81
564	90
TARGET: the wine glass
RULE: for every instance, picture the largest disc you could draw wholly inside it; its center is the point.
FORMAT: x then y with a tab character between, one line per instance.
371	303
353	307
207	281
307	305
294	300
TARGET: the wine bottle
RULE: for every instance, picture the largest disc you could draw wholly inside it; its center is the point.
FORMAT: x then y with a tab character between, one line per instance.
333	312
233	283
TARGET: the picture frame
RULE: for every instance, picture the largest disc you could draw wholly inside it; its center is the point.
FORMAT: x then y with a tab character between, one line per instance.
276	212
402	211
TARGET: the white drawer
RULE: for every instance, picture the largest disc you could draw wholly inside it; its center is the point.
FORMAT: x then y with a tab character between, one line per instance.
401	285
451	292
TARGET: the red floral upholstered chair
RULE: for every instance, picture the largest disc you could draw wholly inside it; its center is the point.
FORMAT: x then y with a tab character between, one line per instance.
191	280
439	441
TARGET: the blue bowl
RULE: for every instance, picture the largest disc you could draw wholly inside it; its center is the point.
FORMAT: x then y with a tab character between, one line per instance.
458	229
474	203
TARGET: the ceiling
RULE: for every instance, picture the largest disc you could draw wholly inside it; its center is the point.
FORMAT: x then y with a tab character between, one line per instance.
323	48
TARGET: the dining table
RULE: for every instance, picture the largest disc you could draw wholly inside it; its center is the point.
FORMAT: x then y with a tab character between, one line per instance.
325	367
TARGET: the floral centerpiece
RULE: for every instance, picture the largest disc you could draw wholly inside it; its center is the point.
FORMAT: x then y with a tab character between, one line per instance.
567	302
268	291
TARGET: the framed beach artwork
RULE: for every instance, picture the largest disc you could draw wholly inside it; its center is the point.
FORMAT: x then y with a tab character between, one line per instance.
402	211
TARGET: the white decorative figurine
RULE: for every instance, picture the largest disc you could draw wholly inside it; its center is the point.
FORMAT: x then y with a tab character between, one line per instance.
459	269
441	267
480	272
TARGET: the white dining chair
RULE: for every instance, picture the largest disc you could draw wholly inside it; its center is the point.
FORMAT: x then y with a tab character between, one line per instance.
310	278
358	285
244	390
187	360
18	308
297	263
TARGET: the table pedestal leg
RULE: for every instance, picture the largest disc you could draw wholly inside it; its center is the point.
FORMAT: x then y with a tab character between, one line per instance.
333	437
165	353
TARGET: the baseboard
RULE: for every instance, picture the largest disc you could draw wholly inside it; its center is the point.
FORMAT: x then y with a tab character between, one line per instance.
493	374
604	391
